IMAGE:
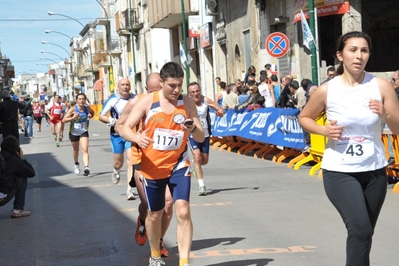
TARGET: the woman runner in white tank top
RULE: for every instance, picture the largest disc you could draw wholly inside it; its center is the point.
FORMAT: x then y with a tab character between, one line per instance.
354	161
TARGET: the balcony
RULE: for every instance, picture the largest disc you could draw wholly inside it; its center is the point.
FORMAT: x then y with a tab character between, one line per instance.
101	59
127	21
168	14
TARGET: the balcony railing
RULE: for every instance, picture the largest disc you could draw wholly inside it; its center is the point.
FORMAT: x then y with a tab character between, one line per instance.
128	20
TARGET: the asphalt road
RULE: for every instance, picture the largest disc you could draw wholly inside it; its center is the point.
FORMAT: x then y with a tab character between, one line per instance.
256	213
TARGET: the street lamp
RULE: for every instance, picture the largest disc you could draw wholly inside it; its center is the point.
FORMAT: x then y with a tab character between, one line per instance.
45	42
52	13
48	59
50	31
45	52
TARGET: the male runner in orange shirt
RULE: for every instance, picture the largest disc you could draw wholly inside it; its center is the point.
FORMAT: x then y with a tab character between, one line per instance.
169	117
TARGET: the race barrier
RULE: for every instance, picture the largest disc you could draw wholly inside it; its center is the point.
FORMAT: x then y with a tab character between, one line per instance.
276	131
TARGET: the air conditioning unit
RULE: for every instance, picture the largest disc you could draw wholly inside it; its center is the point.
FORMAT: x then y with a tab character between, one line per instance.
210	7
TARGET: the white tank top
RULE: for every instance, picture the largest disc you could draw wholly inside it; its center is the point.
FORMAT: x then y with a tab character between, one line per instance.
360	147
203	116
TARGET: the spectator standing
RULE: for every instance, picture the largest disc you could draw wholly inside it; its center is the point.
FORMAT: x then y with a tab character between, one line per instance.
300	97
242	94
287	99
255	100
218	80
331	73
27	113
9	115
268	70
267	91
276	87
231	98
221	94
251	72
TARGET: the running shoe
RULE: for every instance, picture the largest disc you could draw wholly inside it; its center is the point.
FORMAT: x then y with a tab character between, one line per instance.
86	171
77	169
115	177
164	251
141	233
57	144
55	137
156	262
130	195
19	213
202	191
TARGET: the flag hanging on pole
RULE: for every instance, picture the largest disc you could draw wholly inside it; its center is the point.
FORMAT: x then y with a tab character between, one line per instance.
111	80
183	57
307	34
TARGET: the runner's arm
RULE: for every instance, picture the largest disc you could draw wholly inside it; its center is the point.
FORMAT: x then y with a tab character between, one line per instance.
196	130
217	108
126	111
138	111
91	112
70	115
390	107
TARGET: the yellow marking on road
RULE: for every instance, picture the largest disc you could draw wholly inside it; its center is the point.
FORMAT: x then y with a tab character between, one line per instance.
235	252
127	210
241	252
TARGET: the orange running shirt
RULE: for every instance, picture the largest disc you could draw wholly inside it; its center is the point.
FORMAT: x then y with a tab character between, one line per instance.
135	149
168	152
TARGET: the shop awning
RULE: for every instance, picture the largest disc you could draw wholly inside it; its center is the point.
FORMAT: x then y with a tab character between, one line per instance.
324	8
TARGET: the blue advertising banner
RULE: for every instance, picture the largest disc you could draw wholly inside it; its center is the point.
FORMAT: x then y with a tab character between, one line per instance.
278	126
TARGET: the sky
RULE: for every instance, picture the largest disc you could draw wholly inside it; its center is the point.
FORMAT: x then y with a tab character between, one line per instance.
23	24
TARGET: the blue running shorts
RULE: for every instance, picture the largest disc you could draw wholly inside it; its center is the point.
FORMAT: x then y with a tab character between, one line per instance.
202	146
179	184
119	145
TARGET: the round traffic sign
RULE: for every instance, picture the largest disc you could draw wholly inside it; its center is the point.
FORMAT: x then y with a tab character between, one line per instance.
277	44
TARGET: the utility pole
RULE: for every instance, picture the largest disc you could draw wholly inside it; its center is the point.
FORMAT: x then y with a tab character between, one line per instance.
183	21
315	64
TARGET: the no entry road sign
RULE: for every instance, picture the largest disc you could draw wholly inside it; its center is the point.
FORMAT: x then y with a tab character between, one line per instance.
277	44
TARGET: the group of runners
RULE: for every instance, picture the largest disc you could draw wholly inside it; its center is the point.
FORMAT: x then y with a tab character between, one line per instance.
158	131
57	114
353	165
